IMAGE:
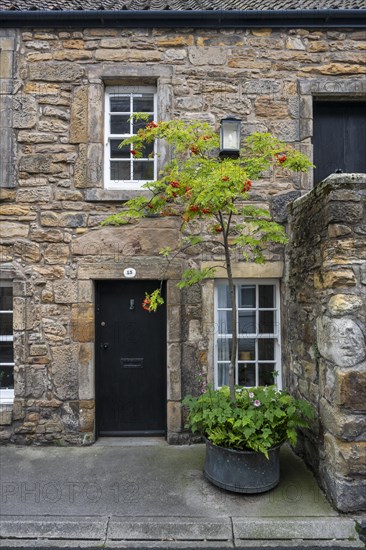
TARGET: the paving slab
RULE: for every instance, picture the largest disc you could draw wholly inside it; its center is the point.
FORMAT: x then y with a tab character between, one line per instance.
60	528
305	528
186	529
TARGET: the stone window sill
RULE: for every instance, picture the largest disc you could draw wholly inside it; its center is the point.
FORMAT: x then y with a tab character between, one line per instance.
99	195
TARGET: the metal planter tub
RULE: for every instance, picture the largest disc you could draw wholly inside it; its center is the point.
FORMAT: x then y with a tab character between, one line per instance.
242	471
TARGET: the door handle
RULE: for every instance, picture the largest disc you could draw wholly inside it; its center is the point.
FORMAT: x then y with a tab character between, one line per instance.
105	345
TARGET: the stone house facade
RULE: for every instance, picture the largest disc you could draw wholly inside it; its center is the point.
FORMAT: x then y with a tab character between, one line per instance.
69	77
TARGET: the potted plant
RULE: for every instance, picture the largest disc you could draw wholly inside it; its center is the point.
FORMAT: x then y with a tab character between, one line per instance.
243	437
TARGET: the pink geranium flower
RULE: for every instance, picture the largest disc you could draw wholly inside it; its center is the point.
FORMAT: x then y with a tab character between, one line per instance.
257	403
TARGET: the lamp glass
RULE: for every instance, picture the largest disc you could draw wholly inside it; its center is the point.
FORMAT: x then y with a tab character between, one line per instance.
230	135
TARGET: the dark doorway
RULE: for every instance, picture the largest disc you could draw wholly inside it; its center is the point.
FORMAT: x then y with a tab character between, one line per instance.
339	137
130	361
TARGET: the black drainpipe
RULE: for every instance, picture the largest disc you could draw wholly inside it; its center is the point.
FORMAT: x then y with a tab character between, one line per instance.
223	19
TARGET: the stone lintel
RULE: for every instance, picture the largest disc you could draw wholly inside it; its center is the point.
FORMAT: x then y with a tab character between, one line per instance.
248	270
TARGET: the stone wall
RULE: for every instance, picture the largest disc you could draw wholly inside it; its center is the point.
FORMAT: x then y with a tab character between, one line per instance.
326	331
53	197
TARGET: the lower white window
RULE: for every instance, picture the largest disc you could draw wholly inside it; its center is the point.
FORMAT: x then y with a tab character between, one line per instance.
6	343
122	170
258	329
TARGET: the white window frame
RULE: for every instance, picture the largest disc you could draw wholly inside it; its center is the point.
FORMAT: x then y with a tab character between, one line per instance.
277	327
124	90
6	394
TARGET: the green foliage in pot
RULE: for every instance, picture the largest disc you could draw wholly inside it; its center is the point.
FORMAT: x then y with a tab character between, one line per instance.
259	419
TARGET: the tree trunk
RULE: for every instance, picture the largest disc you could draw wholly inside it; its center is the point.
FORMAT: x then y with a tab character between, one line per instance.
234	341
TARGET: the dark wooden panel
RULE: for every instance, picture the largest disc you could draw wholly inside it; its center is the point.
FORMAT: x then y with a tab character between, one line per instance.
339	137
131	360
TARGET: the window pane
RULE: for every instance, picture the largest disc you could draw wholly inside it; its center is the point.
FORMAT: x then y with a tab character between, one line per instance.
119	152
266	322
120	104
120	170
223	374
246	349
120	124
143	170
6	298
266	377
265	349
247	322
6	324
266	296
140	124
223	295
6	377
247	296
225	322
147	150
224	349
246	374
6	352
143	104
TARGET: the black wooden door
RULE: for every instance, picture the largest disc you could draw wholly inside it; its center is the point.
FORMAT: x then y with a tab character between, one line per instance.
339	137
130	360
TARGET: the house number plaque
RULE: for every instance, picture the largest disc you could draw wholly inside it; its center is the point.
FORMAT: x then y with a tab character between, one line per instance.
129	272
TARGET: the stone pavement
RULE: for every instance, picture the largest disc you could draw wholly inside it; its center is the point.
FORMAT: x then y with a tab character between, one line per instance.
123	493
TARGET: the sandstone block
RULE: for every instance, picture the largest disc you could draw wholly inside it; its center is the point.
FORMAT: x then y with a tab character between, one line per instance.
86	371
27	251
65	292
51	235
82	322
35	381
175	40
9	230
38	349
65	219
339	278
35	137
261	32
36	56
86	416
38	195
190	103
73	44
24	112
335	69
79	116
341	304
64	370
41	88
53	125
351	388
174	416
54	331
55	72
207	56
347	458
73	55
270	108
340	341
49	272
57	253
56	112
348	427
41	164
142	56
13	210
338	230
6	415
125	241
295	43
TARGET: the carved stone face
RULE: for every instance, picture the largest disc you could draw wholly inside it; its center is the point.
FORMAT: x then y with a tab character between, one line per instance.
341	341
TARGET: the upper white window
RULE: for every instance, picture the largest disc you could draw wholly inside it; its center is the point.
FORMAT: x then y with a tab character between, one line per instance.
258	356
6	343
121	168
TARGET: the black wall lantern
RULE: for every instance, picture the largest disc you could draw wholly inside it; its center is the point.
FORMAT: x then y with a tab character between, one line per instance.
230	137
